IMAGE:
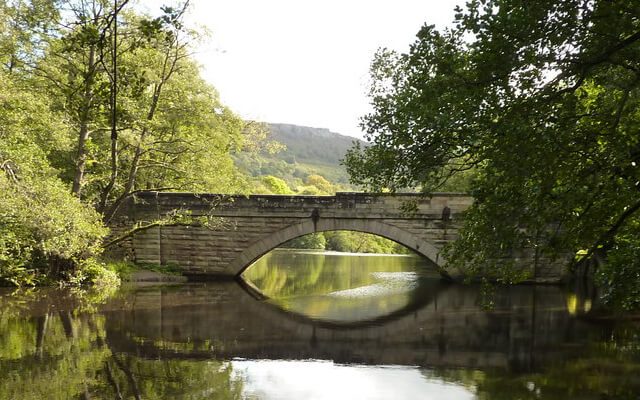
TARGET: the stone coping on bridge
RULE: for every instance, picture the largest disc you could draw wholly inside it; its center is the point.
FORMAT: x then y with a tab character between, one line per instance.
389	194
152	205
339	195
369	205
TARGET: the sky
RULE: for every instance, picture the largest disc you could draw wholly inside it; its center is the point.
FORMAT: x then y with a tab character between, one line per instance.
305	62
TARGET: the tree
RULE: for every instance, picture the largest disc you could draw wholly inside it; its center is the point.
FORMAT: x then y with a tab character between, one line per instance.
275	185
44	230
168	127
172	131
71	63
63	130
540	99
310	241
319	181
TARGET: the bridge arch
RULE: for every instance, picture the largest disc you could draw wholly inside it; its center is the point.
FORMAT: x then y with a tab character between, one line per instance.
256	250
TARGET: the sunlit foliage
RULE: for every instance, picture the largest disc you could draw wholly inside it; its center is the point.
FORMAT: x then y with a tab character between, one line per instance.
89	117
347	241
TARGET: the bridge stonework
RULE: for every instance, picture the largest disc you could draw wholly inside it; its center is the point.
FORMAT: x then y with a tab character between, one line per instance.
242	228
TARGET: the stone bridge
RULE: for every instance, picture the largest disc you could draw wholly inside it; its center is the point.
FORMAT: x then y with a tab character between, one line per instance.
245	228
221	235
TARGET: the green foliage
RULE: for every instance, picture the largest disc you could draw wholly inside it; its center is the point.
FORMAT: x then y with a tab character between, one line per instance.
312	145
124	269
257	138
320	183
173	132
619	277
340	241
315	185
58	162
304	151
44	230
310	241
361	242
538	103
276	185
347	241
310	191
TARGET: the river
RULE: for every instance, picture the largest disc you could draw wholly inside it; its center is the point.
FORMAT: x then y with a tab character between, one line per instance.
315	325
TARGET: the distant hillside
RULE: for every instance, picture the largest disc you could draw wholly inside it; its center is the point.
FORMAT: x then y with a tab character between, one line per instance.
308	151
311	145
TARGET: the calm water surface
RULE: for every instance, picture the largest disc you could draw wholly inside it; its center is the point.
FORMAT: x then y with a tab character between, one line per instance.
315	326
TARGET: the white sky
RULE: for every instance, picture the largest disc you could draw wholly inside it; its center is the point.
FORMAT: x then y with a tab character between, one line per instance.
305	62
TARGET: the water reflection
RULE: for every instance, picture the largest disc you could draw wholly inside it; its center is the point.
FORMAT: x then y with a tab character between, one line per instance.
320	380
214	340
342	288
48	351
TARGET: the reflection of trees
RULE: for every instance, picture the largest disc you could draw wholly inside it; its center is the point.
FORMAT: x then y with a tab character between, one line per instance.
61	355
299	282
278	276
345	309
48	357
606	370
127	376
283	274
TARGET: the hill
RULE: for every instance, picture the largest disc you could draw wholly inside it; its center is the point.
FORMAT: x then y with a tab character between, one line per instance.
311	145
308	151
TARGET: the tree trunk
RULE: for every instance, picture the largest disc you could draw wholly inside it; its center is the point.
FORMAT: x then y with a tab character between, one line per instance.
114	115
43	322
133	171
83	136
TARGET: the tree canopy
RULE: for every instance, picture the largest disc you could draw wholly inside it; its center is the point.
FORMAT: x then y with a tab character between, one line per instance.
539	100
98	102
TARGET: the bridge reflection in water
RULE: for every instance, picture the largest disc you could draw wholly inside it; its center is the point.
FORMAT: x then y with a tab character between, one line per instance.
310	339
447	327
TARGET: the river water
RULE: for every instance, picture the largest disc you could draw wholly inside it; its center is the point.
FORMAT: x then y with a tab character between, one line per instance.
308	325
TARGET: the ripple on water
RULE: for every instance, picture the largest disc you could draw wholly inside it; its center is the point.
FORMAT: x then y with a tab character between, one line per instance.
391	283
344	254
